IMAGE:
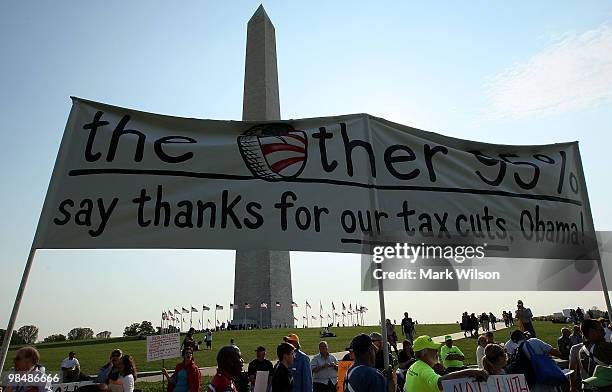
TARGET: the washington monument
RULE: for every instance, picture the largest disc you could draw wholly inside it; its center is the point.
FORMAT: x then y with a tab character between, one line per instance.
262	276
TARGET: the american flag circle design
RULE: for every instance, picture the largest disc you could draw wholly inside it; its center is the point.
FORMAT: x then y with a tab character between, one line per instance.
274	152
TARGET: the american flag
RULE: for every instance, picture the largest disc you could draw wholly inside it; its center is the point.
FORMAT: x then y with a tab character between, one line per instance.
176	311
219	307
204	307
185	310
193	309
263	305
234	306
278	304
343	306
308	305
294	304
247	305
333	306
164	316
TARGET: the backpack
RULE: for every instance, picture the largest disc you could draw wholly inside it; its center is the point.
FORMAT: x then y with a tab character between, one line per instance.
546	371
518	363
347	383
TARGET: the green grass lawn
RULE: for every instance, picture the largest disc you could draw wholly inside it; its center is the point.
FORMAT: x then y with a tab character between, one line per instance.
93	354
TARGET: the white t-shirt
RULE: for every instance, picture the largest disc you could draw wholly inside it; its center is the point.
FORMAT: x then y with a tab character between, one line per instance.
70	363
511	347
127	382
479	356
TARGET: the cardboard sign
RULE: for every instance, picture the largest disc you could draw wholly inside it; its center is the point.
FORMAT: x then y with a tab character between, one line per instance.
261	381
504	383
69	386
163	346
343	367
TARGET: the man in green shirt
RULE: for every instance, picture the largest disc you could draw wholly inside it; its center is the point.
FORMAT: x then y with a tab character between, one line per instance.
452	357
421	376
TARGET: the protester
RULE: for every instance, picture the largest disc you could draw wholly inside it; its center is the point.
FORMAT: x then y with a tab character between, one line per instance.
282	380
421	376
71	368
324	370
111	369
452	357
474	325
465	323
515	337
482	343
189	341
490	337
302	374
576	336
127	373
405	358
510	319
524	316
564	343
495	359
391	335
408	327
484	321
578	374
208	339
186	376
260	364
596	351
492	320
379	363
27	361
362	376
229	367
540	348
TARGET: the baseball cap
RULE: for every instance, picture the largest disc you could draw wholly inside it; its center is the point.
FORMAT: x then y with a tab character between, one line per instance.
447	338
260	349
361	343
602	377
423	342
71	353
292	338
376	336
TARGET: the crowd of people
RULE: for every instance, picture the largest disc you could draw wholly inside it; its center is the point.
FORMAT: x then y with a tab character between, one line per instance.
420	365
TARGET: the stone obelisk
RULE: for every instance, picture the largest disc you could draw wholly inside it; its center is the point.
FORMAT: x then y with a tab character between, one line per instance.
262	275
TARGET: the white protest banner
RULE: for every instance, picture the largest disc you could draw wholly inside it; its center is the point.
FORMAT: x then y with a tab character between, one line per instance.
163	346
70	386
503	383
129	179
261	381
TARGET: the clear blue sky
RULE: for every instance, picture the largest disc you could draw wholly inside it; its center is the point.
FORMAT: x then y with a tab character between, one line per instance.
511	72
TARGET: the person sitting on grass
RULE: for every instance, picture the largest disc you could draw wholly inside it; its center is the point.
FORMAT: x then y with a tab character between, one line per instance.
494	360
186	376
421	375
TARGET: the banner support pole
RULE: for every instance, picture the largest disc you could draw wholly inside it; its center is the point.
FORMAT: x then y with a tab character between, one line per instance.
383	327
11	324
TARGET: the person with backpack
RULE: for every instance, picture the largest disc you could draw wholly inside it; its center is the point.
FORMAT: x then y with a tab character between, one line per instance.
362	376
596	351
532	358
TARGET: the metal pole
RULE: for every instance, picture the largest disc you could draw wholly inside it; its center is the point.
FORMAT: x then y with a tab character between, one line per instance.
306	314
163	378
383	317
11	324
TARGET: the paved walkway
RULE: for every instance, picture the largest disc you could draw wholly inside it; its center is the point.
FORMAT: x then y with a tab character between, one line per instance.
211	370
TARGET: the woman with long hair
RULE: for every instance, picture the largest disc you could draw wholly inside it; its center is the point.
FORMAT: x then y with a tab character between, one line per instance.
494	359
127	375
186	376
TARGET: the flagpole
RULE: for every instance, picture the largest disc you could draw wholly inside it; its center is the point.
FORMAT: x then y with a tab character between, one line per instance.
190	317
244	318
306	314
202	317
215	326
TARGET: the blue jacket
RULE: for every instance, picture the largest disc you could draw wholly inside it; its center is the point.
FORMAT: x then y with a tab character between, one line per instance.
302	374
